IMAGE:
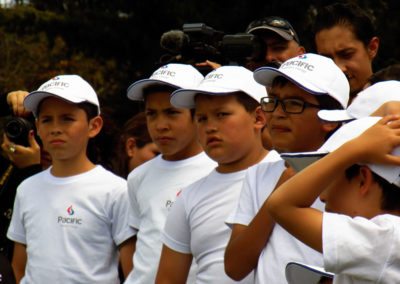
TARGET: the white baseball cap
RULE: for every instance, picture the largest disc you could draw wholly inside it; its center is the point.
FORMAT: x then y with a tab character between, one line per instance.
300	273
316	74
366	102
71	88
175	75
221	81
348	131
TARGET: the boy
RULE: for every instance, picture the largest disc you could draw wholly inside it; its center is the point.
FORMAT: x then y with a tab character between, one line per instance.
229	124
154	186
359	232
345	33
297	90
69	221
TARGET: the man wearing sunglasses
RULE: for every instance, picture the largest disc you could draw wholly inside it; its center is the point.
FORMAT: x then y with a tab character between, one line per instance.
281	40
296	91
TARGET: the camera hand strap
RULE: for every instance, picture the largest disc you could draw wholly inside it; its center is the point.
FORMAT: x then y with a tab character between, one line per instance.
5	177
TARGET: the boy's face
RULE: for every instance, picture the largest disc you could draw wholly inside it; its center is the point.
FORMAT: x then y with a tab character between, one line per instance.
172	129
227	132
299	132
64	129
349	54
342	195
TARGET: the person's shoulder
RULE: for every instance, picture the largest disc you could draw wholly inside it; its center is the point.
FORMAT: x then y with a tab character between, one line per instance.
143	168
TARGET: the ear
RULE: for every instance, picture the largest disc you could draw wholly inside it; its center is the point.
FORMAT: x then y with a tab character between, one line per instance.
301	50
366	180
95	125
260	118
329	126
130	146
373	47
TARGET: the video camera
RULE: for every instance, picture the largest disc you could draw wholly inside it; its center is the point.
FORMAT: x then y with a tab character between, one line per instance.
197	42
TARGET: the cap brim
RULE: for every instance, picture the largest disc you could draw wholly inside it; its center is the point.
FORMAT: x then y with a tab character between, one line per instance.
266	75
185	98
299	273
33	99
280	32
335	115
135	90
299	161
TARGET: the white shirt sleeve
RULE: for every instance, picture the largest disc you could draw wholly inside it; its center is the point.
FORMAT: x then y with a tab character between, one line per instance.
176	233
134	216
357	247
16	231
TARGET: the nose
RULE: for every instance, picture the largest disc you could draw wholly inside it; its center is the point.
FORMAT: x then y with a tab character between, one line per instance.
279	110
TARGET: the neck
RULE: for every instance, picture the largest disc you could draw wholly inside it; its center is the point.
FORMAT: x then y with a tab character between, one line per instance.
71	168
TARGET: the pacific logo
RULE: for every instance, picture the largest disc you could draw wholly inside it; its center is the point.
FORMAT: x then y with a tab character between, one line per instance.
69	220
302	56
70	211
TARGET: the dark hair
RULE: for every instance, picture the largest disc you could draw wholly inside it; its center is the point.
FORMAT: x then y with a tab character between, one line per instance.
242	98
246	101
161	88
157	88
390	192
90	109
346	14
391	72
135	127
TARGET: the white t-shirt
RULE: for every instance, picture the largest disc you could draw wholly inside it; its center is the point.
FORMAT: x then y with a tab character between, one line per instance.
71	226
359	250
153	188
282	248
196	223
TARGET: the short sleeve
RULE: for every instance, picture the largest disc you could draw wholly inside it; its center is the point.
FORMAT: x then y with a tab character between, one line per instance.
134	217
176	233
356	246
16	231
121	230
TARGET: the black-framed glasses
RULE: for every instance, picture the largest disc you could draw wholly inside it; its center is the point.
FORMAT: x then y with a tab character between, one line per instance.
293	106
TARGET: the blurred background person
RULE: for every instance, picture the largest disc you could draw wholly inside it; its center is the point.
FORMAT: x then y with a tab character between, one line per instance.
134	146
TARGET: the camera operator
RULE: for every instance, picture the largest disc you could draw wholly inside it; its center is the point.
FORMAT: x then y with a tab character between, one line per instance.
17	162
280	38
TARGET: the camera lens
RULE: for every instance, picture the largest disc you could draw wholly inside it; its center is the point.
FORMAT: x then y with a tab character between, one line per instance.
17	130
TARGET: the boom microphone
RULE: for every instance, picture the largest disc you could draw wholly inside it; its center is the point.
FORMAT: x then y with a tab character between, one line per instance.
174	41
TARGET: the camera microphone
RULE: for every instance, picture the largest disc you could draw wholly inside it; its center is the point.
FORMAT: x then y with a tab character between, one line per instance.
174	41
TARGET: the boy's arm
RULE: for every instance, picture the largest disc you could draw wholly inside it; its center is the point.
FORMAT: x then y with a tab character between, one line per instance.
126	250
19	261
290	204
174	267
247	242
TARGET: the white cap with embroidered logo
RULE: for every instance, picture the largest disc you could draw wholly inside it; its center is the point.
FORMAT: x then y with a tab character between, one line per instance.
71	88
316	74
345	133
366	102
175	75
221	81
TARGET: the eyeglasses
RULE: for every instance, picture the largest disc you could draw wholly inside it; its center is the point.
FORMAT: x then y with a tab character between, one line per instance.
293	106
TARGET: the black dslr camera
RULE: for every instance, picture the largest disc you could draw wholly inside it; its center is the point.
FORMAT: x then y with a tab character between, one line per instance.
197	42
17	130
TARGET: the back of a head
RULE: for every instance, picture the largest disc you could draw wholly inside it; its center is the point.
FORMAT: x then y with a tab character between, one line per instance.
346	14
391	72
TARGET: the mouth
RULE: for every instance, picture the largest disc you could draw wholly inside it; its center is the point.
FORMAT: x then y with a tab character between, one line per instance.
57	142
279	128
163	139
212	141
